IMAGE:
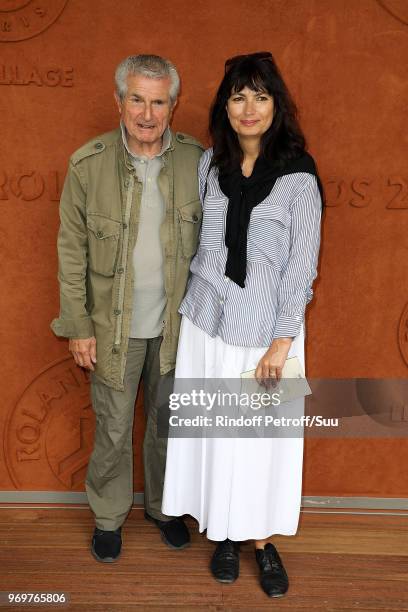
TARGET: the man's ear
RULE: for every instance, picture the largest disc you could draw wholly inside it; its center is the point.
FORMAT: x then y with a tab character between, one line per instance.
172	107
118	102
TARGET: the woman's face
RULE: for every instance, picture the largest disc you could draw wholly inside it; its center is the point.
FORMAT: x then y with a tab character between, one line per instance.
250	112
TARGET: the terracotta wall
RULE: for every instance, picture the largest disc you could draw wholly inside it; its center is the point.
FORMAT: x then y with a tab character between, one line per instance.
345	61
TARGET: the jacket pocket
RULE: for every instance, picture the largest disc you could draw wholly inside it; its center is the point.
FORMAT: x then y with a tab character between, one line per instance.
190	222
269	235
103	244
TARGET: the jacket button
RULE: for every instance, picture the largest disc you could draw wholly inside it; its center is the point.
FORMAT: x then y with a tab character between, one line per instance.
115	351
195	218
181	136
126	182
99	234
99	145
117	311
125	226
121	270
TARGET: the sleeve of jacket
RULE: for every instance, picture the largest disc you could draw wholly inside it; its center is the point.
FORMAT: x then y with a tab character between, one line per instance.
295	289
74	320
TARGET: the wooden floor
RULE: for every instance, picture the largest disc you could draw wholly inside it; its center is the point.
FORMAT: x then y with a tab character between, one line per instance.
336	562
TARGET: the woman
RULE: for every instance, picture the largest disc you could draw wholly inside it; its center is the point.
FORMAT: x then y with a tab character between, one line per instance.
244	308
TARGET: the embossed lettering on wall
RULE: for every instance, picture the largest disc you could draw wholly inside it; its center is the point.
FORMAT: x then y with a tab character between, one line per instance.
30	185
57	401
48	76
403	334
396	8
23	19
359	192
390	193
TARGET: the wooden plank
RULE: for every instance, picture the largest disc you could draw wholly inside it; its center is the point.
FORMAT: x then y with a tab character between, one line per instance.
336	562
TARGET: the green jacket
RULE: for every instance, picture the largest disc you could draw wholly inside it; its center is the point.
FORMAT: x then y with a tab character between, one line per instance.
99	212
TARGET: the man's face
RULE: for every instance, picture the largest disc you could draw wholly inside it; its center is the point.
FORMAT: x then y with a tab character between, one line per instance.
146	111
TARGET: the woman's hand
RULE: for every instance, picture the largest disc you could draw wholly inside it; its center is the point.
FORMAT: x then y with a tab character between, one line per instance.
269	368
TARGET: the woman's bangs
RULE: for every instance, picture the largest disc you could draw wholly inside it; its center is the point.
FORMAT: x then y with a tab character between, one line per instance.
251	78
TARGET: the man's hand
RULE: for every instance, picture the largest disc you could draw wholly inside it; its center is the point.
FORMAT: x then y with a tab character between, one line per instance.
271	364
84	351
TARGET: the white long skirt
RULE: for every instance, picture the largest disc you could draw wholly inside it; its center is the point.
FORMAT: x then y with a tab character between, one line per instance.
236	488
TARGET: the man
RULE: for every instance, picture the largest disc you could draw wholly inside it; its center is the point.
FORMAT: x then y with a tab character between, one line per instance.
130	219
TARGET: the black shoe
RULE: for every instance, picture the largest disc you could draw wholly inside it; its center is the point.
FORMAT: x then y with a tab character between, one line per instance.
274	579
225	561
106	545
174	532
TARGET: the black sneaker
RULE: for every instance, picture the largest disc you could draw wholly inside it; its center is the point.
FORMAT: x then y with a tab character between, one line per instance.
174	532
273	577
225	561
106	545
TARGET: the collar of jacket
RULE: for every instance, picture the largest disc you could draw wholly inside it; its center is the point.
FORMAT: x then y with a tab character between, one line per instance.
125	156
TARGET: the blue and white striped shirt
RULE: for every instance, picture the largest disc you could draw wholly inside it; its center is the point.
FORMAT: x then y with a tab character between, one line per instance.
282	253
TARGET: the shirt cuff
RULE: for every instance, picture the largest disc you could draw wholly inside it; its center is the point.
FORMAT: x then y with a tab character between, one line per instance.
73	328
288	327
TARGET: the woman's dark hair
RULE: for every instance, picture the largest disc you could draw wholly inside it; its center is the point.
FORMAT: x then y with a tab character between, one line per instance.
284	139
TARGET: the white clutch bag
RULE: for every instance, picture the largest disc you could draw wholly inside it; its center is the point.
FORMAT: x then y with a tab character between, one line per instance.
293	384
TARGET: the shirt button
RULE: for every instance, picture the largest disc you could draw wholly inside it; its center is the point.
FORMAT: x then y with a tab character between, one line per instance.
195	218
126	182
115	351
226	278
99	234
221	302
99	145
121	270
117	311
125	226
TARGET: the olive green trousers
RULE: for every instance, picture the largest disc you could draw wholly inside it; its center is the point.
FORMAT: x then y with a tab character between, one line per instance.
109	480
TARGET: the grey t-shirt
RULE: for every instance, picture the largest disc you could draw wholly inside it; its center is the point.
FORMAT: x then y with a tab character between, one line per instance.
149	297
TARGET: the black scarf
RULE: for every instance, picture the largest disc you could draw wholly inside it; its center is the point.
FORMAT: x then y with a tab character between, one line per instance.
244	193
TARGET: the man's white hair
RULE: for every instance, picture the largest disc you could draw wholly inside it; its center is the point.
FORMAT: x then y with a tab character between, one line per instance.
152	66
